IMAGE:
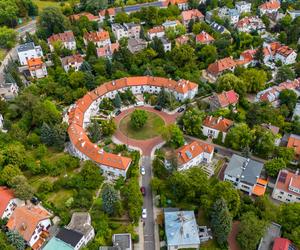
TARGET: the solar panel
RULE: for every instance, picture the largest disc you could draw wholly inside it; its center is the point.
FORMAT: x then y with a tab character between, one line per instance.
282	177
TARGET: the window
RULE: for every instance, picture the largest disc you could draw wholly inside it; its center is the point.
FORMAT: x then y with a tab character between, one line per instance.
279	197
288	200
289	195
281	192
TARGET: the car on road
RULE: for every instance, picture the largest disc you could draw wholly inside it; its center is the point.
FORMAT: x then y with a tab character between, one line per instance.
180	110
144	213
118	112
143	191
157	107
143	171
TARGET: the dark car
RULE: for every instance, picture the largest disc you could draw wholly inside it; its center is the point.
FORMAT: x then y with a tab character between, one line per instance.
34	200
118	112
180	110
157	107
143	191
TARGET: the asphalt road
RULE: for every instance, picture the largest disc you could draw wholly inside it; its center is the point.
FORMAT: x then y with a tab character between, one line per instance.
149	241
29	27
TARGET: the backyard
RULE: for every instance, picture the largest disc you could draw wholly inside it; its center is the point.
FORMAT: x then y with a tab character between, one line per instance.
152	128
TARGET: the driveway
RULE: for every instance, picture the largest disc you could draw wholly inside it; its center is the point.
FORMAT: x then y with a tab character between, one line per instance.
149	239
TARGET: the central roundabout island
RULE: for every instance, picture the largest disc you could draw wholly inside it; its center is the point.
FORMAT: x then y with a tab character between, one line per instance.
80	114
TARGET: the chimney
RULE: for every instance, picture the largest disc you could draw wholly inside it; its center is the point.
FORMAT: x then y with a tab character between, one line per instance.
209	118
113	82
219	119
297	171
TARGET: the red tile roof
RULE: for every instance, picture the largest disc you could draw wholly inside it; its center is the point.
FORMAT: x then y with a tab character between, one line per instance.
227	98
107	50
34	63
218	123
96	36
194	149
72	59
67	36
204	37
281	244
294	142
156	29
6	195
284	51
77	134
284	183
188	15
25	220
272	5
221	65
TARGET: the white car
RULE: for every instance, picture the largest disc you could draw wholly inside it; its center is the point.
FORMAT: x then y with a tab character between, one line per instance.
144	213
143	172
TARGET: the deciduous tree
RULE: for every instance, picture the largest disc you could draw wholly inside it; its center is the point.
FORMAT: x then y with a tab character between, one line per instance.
109	199
173	136
138	118
274	166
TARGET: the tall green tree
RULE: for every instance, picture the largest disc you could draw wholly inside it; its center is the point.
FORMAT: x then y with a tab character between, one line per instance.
21	187
16	240
192	121
94	131
138	118
289	98
285	73
255	79
274	166
7	37
229	81
117	101
239	137
251	230
221	221
173	136
110	199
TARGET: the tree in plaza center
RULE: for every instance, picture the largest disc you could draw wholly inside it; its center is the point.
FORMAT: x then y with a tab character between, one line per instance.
138	118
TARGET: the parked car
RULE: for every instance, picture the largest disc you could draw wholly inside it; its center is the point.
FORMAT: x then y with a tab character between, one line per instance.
144	213
143	191
143	172
118	112
180	110
157	107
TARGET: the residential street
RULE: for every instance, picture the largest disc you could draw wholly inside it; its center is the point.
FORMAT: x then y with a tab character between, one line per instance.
149	240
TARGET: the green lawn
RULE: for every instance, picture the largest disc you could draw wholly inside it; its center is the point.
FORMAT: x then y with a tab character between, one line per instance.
60	197
151	129
43	4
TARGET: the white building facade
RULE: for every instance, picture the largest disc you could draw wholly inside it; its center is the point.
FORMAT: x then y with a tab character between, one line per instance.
28	51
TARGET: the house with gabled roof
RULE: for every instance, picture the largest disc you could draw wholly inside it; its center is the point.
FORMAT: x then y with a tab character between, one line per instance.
294	143
283	244
188	15
89	16
156	31
37	68
66	38
193	154
108	50
224	100
110	13
269	7
99	38
244	174
218	67
32	223
72	62
8	202
212	126
249	24
28	51
287	186
204	38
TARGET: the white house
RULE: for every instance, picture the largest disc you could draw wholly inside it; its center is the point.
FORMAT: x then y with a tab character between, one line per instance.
231	14
110	12
286	55
249	24
32	223
244	174
167	44
120	241
212	126
28	51
287	186
37	68
127	30
8	91
193	154
170	24
72	62
243	7
270	7
8	202
157	31
99	38
67	40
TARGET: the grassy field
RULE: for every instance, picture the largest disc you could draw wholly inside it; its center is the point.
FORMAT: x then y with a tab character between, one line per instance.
151	129
43	4
60	197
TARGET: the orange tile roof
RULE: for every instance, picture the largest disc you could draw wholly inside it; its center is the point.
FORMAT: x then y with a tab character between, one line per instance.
77	134
96	36
182	39
72	59
218	123
107	50
67	36
284	51
284	180
191	14
227	98
294	142
192	150
272	5
34	63
221	65
204	37
259	190
25	220
156	29
6	195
